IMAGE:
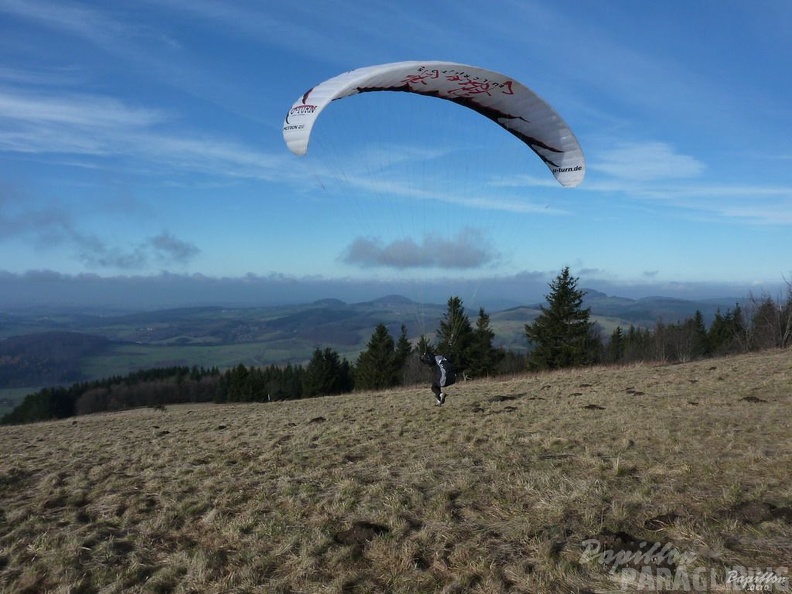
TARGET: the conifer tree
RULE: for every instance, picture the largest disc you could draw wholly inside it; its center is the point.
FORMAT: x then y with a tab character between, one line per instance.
702	346
726	331
616	345
483	356
376	366
239	389
403	349
766	327
562	335
424	345
292	380
326	374
455	334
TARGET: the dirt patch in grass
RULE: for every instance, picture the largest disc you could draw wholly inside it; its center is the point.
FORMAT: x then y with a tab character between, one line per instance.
496	491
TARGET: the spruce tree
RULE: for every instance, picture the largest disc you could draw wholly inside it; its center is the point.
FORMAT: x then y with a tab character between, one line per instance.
239	388
617	345
702	346
424	346
326	374
726	332
765	323
403	347
483	356
402	354
562	335
376	366
455	334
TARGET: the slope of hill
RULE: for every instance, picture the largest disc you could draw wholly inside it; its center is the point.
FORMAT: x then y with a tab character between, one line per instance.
554	482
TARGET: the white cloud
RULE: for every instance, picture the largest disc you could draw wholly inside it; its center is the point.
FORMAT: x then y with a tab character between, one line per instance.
469	249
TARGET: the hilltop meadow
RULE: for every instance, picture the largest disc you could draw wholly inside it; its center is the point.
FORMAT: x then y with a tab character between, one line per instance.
559	481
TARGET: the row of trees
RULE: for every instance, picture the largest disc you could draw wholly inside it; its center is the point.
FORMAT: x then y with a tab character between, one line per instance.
758	325
150	387
326	374
563	335
386	362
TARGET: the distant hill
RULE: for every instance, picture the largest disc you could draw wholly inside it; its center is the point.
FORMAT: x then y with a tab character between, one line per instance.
391	300
56	347
649	310
48	358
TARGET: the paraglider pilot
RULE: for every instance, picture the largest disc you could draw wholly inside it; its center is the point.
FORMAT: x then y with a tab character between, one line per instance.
444	375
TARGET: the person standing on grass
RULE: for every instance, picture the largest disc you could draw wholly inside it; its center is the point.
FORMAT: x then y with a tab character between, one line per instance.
444	375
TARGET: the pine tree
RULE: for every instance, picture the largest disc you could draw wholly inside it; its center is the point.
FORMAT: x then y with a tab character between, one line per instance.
326	374
726	332
292	381
483	356
562	335
424	346
376	366
239	390
402	355
616	346
702	346
455	334
766	326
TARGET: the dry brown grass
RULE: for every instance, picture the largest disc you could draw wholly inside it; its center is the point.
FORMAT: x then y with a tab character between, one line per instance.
494	492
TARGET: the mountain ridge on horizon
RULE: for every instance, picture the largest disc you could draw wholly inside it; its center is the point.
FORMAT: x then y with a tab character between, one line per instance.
600	303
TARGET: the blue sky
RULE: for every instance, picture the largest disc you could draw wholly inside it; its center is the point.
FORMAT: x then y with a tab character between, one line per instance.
140	146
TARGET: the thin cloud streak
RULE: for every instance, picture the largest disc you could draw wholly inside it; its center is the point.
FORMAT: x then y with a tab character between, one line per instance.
92	25
379	172
95	126
646	162
76	110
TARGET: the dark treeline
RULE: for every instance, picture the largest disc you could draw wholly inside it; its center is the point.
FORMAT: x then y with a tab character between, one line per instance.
761	324
150	387
563	335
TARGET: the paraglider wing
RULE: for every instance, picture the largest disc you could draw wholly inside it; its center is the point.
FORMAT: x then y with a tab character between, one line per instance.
505	101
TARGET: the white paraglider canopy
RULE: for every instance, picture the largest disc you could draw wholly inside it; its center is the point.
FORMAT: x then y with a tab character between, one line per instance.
500	98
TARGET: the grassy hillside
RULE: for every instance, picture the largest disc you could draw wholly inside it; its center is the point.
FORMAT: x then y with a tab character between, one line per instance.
497	491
